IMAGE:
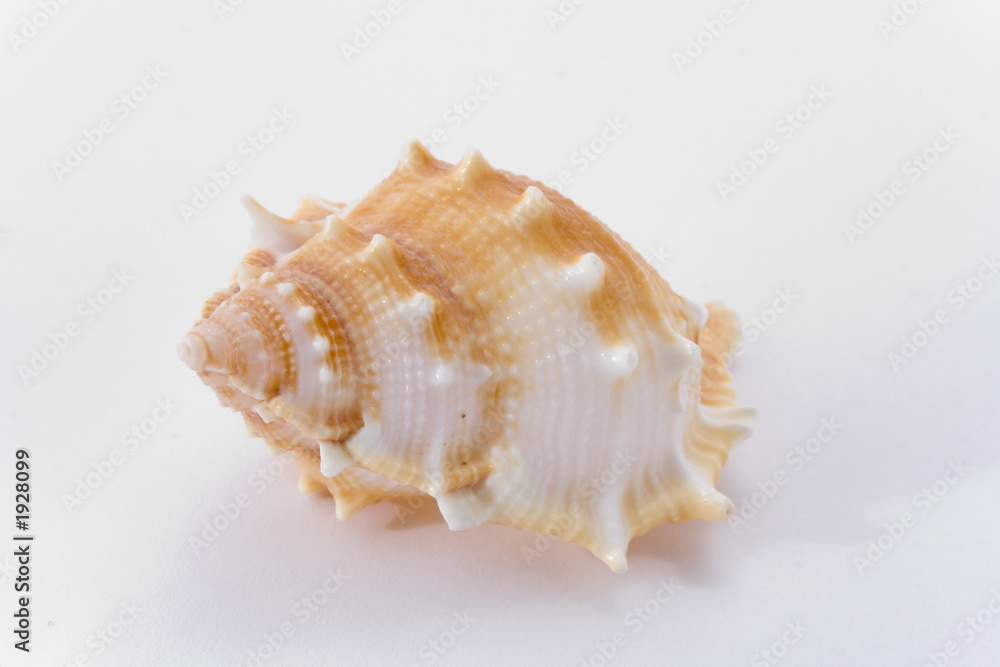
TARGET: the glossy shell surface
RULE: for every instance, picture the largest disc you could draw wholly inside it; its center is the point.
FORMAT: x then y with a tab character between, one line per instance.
468	334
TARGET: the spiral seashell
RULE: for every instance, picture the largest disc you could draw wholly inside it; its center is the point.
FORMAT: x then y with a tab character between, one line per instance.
471	335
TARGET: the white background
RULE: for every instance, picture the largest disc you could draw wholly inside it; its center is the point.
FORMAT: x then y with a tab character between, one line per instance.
557	83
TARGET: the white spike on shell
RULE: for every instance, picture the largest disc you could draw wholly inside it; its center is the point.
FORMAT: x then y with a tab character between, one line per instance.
473	335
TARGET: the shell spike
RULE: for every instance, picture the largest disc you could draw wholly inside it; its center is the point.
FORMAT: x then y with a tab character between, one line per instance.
306	482
531	207
586	274
274	233
334	228
621	359
419	307
254	263
380	251
315	209
614	559
473	169
261	215
334	459
469	335
415	156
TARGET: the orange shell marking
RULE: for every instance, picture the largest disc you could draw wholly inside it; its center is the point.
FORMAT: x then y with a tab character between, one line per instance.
472	335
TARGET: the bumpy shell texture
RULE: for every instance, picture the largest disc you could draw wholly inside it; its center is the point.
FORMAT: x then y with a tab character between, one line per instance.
472	335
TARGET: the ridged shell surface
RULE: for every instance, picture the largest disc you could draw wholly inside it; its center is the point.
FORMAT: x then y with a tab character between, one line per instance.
469	334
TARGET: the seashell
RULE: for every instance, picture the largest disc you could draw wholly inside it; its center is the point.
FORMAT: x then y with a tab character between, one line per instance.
471	335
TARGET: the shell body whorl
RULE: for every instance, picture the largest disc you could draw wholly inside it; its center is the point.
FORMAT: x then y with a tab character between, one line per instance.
472	335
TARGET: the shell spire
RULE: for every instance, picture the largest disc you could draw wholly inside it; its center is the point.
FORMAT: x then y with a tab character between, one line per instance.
470	335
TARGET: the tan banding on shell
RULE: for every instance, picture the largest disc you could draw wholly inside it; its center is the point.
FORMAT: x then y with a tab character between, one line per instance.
474	336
